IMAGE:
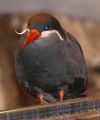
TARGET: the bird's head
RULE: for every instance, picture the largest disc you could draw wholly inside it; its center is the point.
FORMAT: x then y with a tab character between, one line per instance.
41	25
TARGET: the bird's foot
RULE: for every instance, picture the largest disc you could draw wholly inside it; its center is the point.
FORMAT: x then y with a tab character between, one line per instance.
61	94
41	97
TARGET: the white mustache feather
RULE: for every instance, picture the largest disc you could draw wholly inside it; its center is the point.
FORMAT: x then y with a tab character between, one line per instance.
21	33
47	33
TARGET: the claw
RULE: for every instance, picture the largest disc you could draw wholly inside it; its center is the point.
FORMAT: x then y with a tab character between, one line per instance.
61	95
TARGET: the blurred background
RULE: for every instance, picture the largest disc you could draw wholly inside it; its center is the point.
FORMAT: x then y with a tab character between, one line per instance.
80	18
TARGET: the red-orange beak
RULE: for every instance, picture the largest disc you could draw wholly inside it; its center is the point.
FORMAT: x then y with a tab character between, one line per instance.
33	35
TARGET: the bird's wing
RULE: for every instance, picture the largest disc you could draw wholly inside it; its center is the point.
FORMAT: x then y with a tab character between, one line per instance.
77	66
73	42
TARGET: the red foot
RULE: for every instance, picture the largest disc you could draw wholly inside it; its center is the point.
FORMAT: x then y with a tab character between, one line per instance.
41	97
61	94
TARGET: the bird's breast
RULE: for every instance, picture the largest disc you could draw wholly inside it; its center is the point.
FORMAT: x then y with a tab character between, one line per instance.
42	61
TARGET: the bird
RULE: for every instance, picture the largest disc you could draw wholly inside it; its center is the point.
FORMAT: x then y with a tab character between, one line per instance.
49	62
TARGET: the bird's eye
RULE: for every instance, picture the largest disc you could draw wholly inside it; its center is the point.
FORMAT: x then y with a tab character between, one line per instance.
47	28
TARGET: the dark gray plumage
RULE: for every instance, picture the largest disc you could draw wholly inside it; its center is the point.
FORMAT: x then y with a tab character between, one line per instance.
51	64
